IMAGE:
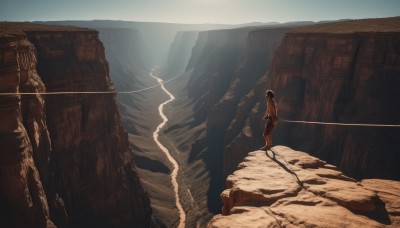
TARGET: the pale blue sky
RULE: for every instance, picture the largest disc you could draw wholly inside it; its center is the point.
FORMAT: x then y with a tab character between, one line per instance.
197	11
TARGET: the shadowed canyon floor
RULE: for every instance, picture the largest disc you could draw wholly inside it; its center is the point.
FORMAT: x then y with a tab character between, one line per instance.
174	173
287	188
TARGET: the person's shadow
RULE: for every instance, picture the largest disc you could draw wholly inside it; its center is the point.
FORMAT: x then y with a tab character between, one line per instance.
380	213
286	168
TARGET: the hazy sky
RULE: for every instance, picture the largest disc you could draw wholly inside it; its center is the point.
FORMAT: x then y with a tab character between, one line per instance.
197	11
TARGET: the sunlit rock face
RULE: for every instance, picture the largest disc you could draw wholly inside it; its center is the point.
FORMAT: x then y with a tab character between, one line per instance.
284	187
66	160
348	73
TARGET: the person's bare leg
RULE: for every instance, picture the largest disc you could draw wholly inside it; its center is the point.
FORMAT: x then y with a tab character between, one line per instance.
268	140
265	146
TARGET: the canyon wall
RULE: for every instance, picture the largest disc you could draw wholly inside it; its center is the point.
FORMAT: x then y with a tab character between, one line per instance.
242	130
24	136
128	61
67	160
139	113
158	36
346	72
129	70
333	72
225	66
180	52
287	188
343	72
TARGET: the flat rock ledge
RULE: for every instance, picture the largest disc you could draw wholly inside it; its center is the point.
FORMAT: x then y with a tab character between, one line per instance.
287	188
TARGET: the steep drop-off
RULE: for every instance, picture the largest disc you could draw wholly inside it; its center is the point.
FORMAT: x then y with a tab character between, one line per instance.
131	48
139	112
23	200
334	72
128	61
346	72
287	188
129	69
225	66
77	142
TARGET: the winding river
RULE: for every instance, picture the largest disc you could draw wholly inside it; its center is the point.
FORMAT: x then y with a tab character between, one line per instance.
174	173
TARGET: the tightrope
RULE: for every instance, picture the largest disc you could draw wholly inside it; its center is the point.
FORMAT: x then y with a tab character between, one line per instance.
93	92
342	124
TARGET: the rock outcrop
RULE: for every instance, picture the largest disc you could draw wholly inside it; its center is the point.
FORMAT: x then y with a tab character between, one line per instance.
66	159
286	188
346	72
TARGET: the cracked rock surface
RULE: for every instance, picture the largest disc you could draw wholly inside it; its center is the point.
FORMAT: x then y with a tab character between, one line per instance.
287	188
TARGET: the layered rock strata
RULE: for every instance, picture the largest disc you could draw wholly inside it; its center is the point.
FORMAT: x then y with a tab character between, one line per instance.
343	72
24	136
76	142
287	188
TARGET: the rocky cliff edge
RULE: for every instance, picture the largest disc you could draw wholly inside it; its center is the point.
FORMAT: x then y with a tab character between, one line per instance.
287	188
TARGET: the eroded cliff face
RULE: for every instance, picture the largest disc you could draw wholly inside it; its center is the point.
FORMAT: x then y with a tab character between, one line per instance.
339	72
346	77
287	188
214	107
242	129
24	136
79	147
129	70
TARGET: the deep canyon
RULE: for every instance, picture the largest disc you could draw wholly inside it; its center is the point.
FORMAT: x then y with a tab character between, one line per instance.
76	160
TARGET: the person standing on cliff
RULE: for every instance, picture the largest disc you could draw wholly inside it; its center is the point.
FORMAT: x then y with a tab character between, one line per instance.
271	118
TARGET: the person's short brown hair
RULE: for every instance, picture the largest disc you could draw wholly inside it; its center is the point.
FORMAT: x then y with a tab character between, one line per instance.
270	93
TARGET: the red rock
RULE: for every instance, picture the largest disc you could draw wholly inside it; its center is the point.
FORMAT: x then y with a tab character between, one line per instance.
244	217
294	189
389	193
87	176
343	72
22	196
